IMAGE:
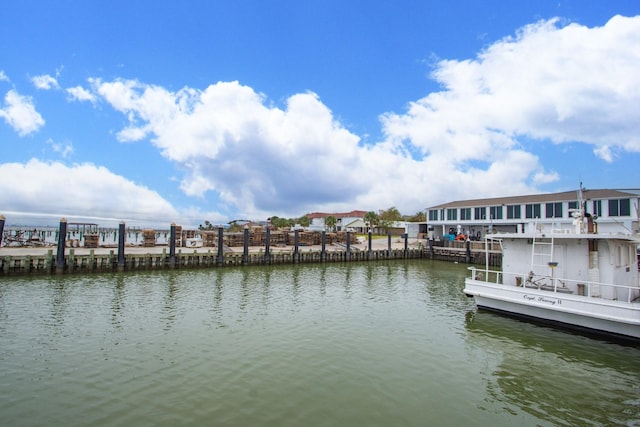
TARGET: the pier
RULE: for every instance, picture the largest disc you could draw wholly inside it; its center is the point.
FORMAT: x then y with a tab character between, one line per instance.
84	251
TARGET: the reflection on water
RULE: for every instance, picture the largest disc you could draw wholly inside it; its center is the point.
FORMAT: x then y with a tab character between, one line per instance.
383	344
557	376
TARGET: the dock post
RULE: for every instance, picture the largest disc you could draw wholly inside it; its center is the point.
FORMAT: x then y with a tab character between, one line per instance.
2	218
370	243
388	244
431	248
121	240
62	237
406	244
468	251
267	242
296	242
323	252
220	246
172	245
348	254
245	253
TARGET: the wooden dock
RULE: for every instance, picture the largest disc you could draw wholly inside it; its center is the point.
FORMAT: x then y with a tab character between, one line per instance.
75	253
79	260
108	261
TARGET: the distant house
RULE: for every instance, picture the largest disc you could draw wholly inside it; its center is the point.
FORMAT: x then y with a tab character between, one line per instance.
359	226
317	219
612	211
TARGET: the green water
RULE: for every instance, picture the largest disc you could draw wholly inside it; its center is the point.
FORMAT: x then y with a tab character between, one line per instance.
376	344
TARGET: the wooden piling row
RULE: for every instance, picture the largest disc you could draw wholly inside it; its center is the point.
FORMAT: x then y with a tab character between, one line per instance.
109	262
74	263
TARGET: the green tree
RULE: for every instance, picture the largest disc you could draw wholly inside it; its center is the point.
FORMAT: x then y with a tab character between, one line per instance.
418	217
304	221
372	219
207	226
330	221
278	222
390	215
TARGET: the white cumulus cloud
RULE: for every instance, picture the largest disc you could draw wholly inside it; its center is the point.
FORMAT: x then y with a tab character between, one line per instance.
548	84
20	113
561	84
79	93
45	82
39	187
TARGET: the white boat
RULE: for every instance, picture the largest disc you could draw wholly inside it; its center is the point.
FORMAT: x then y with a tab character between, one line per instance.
573	277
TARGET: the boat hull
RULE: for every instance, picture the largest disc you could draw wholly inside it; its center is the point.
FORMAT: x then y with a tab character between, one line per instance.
599	315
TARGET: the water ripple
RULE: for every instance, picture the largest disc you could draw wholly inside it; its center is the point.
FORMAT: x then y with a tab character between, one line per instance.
363	344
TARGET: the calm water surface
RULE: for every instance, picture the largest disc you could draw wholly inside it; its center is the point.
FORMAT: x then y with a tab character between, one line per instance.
378	344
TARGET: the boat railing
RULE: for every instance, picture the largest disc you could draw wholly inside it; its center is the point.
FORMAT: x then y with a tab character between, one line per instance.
586	288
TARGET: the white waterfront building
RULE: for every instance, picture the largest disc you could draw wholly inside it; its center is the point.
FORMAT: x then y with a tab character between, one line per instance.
612	211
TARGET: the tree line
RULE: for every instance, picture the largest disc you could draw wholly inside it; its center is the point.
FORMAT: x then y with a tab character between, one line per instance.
382	219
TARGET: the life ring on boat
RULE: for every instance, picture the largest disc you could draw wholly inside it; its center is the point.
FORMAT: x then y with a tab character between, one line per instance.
461	237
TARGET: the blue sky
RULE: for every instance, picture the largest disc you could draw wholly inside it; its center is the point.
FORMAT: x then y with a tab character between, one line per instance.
152	112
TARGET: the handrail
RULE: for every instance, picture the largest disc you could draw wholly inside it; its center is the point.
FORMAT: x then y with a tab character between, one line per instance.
551	284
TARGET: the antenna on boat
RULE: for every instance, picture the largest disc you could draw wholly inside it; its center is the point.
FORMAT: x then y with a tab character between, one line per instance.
579	213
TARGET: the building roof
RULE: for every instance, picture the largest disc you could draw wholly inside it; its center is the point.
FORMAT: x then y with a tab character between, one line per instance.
539	198
358	223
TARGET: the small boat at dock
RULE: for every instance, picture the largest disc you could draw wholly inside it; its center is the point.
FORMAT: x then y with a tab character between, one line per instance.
570	277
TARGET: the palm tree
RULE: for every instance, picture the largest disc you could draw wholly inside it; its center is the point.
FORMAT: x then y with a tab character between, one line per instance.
330	221
371	219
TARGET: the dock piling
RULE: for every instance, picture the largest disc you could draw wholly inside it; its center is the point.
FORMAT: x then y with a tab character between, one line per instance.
245	253
121	239
172	245
267	242
2	219
62	236
348	254
220	245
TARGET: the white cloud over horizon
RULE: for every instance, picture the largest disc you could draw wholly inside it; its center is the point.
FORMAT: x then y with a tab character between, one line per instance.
83	190
548	84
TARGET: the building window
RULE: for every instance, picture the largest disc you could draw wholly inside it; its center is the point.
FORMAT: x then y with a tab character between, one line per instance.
465	214
480	213
532	211
572	206
495	212
553	210
597	207
452	214
433	215
619	207
513	212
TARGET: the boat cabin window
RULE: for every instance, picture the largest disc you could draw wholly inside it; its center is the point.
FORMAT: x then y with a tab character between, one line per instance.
619	207
553	210
495	212
597	208
532	210
513	212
